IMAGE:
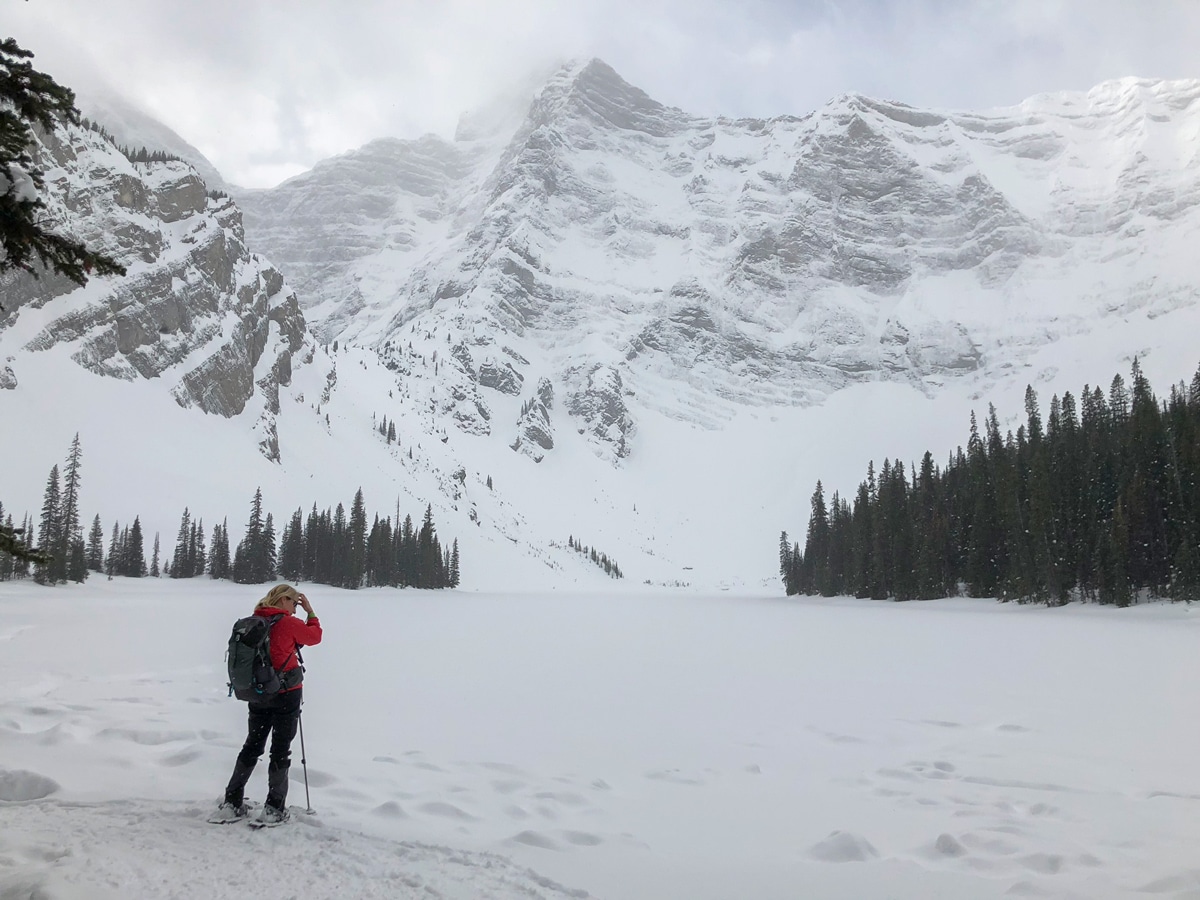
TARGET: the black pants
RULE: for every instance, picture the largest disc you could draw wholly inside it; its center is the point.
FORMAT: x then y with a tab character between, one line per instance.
279	718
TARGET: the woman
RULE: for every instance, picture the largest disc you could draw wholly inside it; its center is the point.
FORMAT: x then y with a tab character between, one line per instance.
279	715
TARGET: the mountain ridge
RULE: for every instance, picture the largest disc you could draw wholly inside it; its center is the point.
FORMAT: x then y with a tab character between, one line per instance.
826	219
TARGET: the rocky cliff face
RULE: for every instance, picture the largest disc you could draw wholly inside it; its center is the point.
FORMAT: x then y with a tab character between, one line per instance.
640	257
215	322
535	429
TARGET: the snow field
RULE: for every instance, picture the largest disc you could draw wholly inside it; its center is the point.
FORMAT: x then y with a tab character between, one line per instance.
636	746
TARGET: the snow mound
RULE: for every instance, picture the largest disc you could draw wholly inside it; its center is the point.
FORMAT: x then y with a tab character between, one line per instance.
948	845
19	785
843	846
134	849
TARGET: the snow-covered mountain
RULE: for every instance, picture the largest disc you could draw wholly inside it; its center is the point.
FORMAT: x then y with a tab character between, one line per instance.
199	313
133	128
630	250
594	316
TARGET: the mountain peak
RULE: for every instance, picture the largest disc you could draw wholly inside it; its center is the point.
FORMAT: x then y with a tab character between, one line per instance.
592	90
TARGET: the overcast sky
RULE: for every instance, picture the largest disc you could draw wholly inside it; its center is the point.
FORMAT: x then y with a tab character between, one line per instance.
265	88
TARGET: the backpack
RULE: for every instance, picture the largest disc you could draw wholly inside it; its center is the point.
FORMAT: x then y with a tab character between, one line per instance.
251	675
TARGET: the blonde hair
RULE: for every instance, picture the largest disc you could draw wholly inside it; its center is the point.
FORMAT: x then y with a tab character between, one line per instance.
275	594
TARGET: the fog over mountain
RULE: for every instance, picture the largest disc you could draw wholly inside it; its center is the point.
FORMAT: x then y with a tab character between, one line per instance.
656	329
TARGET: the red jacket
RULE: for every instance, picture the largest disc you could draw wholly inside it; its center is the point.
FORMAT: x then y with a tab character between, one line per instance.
288	635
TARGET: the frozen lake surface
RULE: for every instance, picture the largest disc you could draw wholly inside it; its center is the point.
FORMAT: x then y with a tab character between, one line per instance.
632	746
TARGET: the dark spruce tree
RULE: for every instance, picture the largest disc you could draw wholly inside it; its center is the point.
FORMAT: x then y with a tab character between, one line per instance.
133	557
95	546
71	548
219	564
357	540
180	567
254	560
291	549
112	563
53	570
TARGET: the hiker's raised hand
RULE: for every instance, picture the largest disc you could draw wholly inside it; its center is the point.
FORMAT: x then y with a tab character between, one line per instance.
308	610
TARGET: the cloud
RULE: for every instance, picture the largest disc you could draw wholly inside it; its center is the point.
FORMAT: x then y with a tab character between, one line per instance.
266	89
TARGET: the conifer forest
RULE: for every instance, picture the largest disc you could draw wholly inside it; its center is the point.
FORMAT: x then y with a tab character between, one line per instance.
1096	500
329	547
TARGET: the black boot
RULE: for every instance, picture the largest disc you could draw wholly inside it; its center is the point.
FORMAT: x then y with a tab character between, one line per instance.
277	786
236	789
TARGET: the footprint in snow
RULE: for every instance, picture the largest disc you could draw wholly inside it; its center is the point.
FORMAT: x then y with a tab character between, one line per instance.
564	797
534	839
990	845
507	786
674	776
1043	863
389	810
316	778
446	811
350	794
145	737
182	758
582	838
506	768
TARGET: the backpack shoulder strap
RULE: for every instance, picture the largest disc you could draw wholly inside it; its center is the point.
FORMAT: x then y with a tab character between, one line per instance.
275	620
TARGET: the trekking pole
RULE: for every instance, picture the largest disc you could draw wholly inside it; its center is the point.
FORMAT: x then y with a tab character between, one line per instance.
304	765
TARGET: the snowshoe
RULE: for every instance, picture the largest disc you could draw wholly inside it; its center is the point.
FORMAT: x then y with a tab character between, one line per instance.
227	812
270	817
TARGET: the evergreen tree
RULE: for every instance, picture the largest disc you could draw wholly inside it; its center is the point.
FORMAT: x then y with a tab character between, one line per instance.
291	549
269	554
428	552
219	562
357	541
198	553
8	538
77	568
113	563
252	561
135	556
785	563
311	542
180	567
95	547
68	527
31	98
54	569
816	547
154	572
